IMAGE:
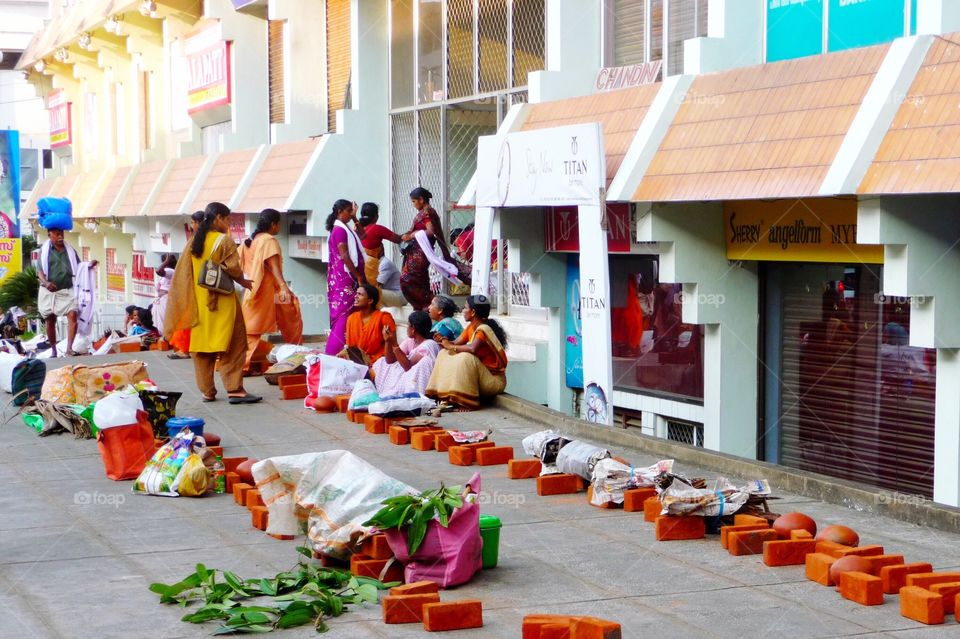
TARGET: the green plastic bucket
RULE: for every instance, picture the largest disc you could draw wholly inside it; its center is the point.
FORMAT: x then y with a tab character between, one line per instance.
490	533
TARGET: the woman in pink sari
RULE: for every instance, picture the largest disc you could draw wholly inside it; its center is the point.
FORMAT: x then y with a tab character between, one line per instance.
344	272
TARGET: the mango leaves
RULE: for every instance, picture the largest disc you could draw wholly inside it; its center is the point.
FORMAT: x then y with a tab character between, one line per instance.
416	511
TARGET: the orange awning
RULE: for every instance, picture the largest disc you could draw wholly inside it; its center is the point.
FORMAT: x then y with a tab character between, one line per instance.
141	187
86	191
107	200
920	152
766	131
618	112
224	178
176	186
276	178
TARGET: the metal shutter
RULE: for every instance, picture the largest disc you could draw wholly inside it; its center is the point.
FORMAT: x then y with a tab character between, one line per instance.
276	77
682	26
338	58
628	32
844	411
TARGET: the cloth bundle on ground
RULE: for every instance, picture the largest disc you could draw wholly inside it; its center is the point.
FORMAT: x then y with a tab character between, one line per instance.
545	445
48	418
331	376
406	405
364	393
55	213
679	497
580	458
330	494
83	384
611	478
292	364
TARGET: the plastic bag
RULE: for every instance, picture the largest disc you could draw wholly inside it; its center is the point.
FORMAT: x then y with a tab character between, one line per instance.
409	403
331	376
160	475
33	420
364	393
330	493
611	478
579	458
117	409
7	364
193	480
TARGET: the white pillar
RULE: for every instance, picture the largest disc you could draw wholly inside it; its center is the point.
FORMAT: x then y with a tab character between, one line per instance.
946	449
734	38
482	246
573	50
595	316
938	16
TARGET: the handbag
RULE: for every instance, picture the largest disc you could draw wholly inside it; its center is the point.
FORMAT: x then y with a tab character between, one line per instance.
125	450
213	276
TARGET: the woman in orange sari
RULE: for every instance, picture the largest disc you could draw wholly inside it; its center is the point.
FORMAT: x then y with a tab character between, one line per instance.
475	365
365	325
270	304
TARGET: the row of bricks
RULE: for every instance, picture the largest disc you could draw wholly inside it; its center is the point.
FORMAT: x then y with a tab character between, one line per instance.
568	627
419	602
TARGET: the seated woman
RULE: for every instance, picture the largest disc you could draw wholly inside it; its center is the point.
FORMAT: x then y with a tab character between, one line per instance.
474	366
406	368
442	310
365	327
143	326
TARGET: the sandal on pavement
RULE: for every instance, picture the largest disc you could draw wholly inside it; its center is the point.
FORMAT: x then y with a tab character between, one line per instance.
245	399
208	399
178	356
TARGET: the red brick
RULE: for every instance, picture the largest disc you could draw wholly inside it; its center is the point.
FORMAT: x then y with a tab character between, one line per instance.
862	588
605	505
861	551
296	391
252	498
818	568
351	416
342	401
374	424
416	588
788	552
558	484
216	451
533	624
749	520
879	561
259	516
283	537
494	455
422	440
231	463
593	628
634	497
831	548
240	493
232	480
927	579
669	528
949	592
424	429
376	547
554	631
921	605
460	455
443	441
895	577
453	615
372	568
726	530
407	608
476	445
291	380
749	542
399	436
800	534
523	468
652	508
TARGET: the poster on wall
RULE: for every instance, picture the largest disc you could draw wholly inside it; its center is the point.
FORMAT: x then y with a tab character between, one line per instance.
573	328
60	119
9	184
142	276
562	230
794	29
116	278
11	258
863	23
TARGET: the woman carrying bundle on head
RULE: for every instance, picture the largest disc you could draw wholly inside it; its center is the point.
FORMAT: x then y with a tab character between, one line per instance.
474	365
269	305
406	367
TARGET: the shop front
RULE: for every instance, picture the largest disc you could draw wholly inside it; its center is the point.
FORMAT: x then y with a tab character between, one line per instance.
843	392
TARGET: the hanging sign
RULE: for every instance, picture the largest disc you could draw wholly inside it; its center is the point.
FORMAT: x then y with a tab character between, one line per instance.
305	246
116	278
544	167
801	230
208	76
562	232
238	227
613	78
60	125
143	277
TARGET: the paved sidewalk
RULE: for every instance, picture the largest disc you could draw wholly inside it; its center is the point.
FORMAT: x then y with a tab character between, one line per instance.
77	551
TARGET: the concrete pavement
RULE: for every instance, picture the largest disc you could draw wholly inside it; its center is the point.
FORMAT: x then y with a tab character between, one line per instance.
78	551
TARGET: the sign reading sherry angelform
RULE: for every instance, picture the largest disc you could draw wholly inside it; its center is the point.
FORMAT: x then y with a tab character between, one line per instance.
208	78
60	125
545	167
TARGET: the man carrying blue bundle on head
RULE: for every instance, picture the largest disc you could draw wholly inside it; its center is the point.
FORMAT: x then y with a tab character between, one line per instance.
61	274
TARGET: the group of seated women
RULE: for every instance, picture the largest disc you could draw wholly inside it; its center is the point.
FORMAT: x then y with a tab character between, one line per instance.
439	357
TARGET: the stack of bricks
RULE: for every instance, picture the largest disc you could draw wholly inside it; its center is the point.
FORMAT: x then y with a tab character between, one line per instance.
292	386
419	602
466	454
568	627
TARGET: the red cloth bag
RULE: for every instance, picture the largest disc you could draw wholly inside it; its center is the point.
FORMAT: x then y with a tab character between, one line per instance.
126	449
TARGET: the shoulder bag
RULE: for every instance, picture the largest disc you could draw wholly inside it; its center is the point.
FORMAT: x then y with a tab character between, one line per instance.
213	276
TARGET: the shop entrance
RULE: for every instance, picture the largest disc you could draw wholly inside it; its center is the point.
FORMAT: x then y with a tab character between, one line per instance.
845	394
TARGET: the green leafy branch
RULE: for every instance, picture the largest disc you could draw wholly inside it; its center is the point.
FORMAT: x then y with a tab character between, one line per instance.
416	511
303	595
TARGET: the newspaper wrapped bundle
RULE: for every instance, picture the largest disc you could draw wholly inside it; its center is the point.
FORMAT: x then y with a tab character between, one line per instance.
611	478
545	445
680	498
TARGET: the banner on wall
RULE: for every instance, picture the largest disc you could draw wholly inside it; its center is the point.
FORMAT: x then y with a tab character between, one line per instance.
116	278
863	23
794	29
562	230
208	77
9	184
573	327
305	246
60	124
142	277
11	259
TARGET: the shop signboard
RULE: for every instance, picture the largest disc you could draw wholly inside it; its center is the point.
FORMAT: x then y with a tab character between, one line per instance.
60	125
305	246
573	331
562	231
238	227
614	78
208	77
794	29
861	23
11	260
545	167
800	230
9	184
116	278
142	275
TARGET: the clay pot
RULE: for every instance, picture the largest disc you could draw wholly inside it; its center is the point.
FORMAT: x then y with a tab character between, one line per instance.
324	404
245	471
839	535
852	563
212	439
794	521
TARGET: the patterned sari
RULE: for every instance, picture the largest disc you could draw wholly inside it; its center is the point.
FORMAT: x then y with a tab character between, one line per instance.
415	277
464	378
341	291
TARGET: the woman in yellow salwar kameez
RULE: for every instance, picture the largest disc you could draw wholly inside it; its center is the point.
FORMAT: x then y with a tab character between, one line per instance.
214	319
474	366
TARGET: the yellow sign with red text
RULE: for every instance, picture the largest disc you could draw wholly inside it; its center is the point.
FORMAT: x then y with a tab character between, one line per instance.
798	230
11	260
